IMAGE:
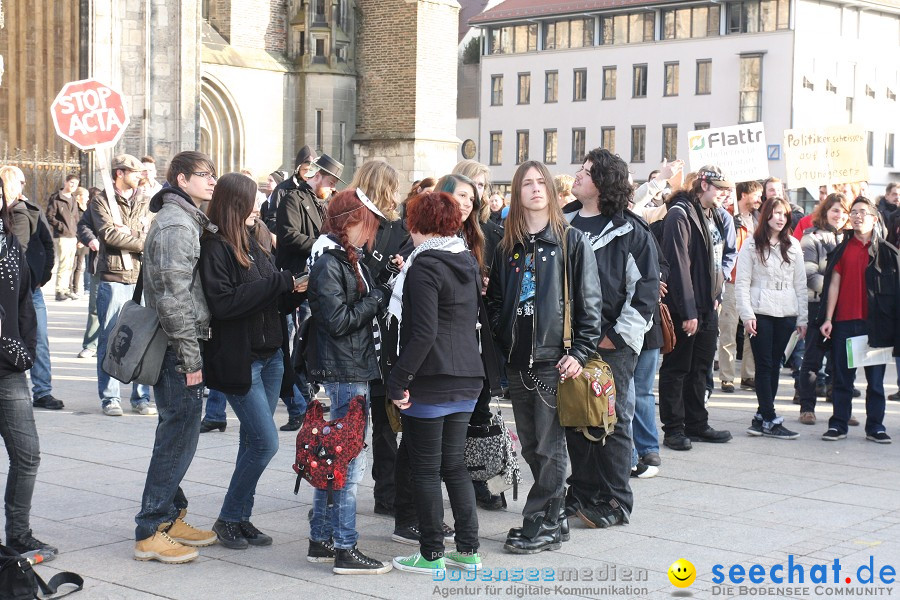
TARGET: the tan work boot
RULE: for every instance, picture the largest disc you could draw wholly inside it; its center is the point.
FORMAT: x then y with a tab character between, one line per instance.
184	533
164	549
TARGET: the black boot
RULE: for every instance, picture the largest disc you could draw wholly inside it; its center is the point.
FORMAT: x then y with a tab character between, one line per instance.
539	533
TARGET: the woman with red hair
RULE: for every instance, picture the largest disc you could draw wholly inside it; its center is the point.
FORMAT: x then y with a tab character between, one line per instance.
343	303
437	378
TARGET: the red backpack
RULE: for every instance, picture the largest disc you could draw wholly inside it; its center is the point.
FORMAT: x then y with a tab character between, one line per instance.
325	448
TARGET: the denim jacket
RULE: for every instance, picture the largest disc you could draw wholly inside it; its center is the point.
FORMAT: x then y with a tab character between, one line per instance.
172	283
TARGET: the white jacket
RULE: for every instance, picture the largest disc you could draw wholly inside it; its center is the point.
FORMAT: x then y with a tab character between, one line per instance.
776	288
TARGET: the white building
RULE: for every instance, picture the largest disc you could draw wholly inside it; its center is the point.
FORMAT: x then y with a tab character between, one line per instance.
634	76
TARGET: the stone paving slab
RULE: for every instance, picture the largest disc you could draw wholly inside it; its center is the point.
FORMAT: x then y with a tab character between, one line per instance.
749	501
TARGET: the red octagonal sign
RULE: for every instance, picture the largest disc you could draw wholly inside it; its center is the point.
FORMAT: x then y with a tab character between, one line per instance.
89	114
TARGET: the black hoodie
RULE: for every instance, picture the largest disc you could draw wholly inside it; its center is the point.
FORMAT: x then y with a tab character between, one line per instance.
439	357
19	329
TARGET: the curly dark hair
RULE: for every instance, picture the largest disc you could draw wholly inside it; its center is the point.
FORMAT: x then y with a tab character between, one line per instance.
610	175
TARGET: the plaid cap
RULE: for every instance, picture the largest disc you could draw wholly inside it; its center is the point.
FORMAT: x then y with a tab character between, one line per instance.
714	176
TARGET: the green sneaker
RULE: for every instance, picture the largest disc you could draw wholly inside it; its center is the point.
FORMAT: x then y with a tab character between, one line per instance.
416	564
463	560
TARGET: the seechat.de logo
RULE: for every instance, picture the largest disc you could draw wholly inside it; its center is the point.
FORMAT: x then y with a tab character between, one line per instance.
682	573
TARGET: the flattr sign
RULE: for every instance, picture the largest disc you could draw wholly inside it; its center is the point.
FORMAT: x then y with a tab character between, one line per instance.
89	113
739	150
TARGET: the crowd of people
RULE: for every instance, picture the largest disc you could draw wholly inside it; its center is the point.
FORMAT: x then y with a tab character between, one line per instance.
426	304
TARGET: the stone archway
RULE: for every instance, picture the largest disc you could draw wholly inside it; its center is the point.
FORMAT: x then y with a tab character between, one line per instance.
221	126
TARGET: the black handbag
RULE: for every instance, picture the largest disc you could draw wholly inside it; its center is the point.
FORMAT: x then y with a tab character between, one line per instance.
491	457
18	581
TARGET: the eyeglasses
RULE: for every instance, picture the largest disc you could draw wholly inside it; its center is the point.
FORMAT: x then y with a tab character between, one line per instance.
206	175
861	214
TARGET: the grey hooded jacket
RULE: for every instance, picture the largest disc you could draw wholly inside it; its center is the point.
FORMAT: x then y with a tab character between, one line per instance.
172	283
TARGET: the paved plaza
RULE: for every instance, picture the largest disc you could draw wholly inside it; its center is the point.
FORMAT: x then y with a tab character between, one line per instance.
751	501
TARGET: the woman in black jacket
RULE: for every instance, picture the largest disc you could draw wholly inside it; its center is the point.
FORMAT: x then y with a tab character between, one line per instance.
245	356
437	377
343	303
17	350
525	304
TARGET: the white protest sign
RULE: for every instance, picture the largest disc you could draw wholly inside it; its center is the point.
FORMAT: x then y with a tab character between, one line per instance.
739	150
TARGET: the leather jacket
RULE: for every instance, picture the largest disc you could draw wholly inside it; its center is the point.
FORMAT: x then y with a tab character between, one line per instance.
342	315
505	286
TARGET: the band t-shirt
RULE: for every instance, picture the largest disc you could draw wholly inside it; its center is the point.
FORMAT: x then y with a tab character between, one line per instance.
523	261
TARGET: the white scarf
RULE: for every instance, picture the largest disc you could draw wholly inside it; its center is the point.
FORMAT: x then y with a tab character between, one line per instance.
451	244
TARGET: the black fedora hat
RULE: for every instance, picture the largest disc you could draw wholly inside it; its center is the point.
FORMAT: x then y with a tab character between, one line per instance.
327	164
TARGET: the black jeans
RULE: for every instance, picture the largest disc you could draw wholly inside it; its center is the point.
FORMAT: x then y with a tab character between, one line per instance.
404	498
437	451
682	377
772	335
384	452
602	471
21	439
543	439
812	363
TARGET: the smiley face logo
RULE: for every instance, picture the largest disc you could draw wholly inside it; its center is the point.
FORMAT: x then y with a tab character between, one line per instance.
682	573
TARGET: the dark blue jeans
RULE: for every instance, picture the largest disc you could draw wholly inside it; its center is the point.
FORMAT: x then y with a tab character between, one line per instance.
437	451
259	437
215	407
844	377
177	433
40	371
772	335
21	439
810	375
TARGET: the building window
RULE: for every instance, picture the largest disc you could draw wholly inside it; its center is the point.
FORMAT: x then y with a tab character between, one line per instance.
320	11
524	94
608	138
496	147
550	146
578	145
628	29
889	93
750	82
870	92
343	141
696	22
570	33
609	83
848	109
510	40
670	85
808	85
752	16
870	148
701	126
639	81
496	90
638	143
670	142
704	77
830	87
889	149
320	134
521	147
579	85
551	86
320	47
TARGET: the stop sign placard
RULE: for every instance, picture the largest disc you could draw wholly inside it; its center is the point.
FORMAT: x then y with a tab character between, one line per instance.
89	113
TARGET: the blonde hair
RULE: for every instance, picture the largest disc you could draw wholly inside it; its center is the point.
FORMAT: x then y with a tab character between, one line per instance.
564	183
8	174
515	230
379	181
472	169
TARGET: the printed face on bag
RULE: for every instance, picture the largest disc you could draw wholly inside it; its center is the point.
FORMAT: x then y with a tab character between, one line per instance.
122	343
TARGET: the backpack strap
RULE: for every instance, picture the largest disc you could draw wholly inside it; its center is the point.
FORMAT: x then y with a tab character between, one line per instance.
49	588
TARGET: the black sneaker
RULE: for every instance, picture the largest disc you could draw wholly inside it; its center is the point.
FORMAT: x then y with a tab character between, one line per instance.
320	552
48	402
354	562
254	536
895	397
856	393
778	431
756	426
833	435
449	533
879	438
28	545
293	424
406	535
821	390
677	441
230	535
603	515
642	471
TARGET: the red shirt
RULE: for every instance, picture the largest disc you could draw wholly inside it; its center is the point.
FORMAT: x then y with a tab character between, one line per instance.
802	225
852	300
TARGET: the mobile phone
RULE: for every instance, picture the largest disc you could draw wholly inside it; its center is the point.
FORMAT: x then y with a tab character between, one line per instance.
301	279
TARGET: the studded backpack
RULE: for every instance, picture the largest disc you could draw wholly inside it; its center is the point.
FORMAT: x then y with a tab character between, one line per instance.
325	448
